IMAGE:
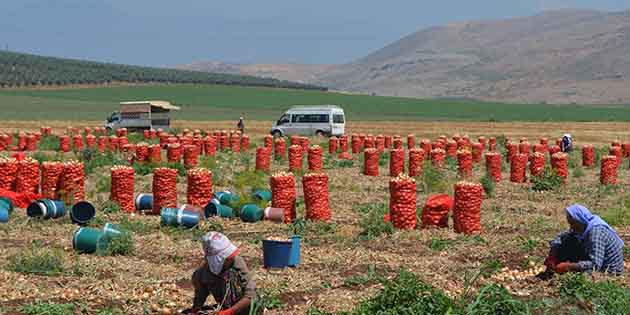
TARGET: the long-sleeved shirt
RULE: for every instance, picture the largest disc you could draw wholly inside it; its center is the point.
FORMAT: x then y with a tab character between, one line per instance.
219	286
603	249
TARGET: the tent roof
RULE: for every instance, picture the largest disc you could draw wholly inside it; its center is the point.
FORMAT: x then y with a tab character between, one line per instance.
160	104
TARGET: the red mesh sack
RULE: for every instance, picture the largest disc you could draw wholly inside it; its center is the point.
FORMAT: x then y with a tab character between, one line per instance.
425	144
554	149
625	148
315	159
517	168
51	177
388	142
343	143
435	211
616	151
210	145
304	143
269	141
8	173
73	182
477	152
537	164
369	143
263	159
512	150
416	161
31	143
283	194
294	140
199	187
122	187
396	162
397	143
467	207
164	189
539	148
524	148
235	143
482	140
370	162
142	152
411	141
190	156
333	144
356	144
245	142
155	154
295	158
588	155
615	143
608	172
21	144
464	163
451	148
437	157
174	153
559	164
64	143
493	165
113	143
27	180
224	142
402	202
279	149
380	143
316	197
77	142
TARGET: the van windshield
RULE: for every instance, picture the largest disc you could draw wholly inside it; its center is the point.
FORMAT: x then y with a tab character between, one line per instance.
338	119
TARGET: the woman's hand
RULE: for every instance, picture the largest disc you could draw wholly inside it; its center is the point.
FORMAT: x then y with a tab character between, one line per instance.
566	267
229	311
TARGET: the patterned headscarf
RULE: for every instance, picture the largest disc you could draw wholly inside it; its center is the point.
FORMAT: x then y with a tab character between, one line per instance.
582	215
217	248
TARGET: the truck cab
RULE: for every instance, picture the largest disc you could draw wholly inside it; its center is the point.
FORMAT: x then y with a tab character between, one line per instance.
140	115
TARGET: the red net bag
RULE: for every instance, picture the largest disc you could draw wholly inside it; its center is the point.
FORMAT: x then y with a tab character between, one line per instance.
588	155
155	154
283	194
235	143
451	148
146	134
524	148
425	144
370	162
512	150
142	152
64	143
369	143
456	137
615	143
411	141
315	187
343	143
333	144
517	168
492	141
190	156
482	140
90	141
77	142
73	182
397	143
625	148
435	211
279	149
295	158
122	141
224	142
3	142
439	144
198	142
463	145
245	142
31	143
294	140
608	173
174	153
559	164
388	142
416	161
464	163
539	148
345	156
21	142
164	189
537	164
362	140
493	165
122	190
315	159
616	151
8	173
544	141
467	207
558	141
402	202
199	187
380	143
210	145
197	133
51	177
263	159
437	157
113	143
356	144
122	132
304	143
164	139
396	162
27	180
477	152
269	141
102	144
554	149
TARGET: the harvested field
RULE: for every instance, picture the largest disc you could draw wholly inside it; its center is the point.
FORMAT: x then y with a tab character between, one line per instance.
339	263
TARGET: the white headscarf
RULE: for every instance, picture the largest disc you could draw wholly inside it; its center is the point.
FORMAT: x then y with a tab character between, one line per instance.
217	248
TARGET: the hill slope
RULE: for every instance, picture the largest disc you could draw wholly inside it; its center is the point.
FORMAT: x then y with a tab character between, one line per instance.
558	57
18	69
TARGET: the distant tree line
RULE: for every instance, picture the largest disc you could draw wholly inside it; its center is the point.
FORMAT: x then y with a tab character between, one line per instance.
24	70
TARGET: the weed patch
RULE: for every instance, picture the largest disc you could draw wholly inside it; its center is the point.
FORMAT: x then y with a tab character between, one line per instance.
41	308
373	224
433	180
39	261
548	180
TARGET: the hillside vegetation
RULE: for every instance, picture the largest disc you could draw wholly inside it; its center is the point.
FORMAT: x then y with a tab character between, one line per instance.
19	70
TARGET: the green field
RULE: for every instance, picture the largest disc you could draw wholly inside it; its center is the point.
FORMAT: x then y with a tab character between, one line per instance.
217	102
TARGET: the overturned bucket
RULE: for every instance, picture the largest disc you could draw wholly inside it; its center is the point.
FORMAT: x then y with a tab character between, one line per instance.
112	230
178	217
220	210
210	209
251	213
82	212
274	214
262	195
6	207
46	209
195	209
89	240
226	197
144	202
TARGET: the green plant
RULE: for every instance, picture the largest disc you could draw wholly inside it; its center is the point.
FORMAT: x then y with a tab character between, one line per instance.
48	143
104	184
618	215
440	244
490	267
110	311
601	297
433	180
548	180
135	226
42	308
120	245
383	159
373	224
495	299
109	206
357	280
316	311
488	185
529	245
578	172
37	260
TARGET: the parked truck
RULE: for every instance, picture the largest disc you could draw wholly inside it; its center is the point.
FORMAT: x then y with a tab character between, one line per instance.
140	115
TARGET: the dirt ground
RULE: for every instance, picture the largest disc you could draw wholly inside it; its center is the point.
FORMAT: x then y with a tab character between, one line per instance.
517	224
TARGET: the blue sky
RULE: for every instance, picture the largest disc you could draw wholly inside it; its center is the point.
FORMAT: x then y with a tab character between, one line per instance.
166	32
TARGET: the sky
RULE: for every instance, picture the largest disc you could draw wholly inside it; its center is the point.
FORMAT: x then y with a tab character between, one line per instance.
167	32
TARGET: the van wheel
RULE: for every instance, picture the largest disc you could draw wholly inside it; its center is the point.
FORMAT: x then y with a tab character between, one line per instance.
320	133
276	134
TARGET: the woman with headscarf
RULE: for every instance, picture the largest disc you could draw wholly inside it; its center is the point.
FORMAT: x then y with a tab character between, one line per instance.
590	245
223	274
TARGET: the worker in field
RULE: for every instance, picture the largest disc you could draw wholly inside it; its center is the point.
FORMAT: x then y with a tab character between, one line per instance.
241	124
566	145
223	274
589	245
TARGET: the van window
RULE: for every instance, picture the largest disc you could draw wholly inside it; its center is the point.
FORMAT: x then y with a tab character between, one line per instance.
338	119
310	118
283	120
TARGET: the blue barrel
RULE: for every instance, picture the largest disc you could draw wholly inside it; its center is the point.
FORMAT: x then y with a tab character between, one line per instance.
168	216
144	202
210	209
6	203
276	254
294	260
179	217
46	208
82	212
251	213
226	197
262	194
112	230
4	215
89	240
223	211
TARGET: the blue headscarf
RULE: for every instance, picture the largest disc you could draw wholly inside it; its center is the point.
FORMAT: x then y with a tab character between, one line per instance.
582	215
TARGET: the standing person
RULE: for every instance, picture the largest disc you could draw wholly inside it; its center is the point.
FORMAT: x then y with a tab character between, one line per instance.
590	245
241	124
566	145
223	274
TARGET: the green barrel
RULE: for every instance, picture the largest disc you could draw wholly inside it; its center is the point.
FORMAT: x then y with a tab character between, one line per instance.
226	197
251	213
220	210
169	217
262	194
89	240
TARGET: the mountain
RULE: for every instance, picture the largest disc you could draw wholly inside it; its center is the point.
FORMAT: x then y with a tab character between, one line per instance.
566	56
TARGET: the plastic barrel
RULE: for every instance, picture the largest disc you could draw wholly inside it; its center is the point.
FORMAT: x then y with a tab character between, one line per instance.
144	202
89	240
195	209
274	214
46	208
111	230
262	194
251	213
211	208
6	203
168	216
226	197
4	215
179	217
223	211
294	260
276	254
82	212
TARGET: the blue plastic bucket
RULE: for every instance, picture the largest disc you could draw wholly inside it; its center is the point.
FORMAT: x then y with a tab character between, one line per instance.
294	260
89	240
179	217
226	197
46	208
6	203
262	194
251	213
82	212
112	230
220	210
4	215
144	202
211	208
276	254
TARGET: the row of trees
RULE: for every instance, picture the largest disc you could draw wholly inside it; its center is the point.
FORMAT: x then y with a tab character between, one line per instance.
18	69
